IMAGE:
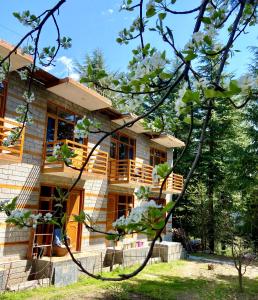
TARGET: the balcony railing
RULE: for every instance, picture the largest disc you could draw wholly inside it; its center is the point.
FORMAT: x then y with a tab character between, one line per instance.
15	151
134	173
130	171
98	163
175	183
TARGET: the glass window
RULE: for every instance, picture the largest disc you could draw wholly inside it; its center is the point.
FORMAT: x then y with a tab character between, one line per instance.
124	139
157	157
64	130
66	115
124	206
45	191
122	147
51	129
113	150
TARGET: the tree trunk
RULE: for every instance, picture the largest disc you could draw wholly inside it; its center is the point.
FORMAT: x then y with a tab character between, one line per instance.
240	278
211	230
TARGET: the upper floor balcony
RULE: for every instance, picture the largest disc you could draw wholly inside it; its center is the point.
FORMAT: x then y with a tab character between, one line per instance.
132	173
11	153
98	162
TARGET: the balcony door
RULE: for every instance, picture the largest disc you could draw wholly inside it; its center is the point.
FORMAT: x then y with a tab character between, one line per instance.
60	127
122	147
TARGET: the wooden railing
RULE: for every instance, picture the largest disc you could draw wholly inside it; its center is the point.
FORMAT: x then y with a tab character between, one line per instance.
97	164
14	151
175	182
132	171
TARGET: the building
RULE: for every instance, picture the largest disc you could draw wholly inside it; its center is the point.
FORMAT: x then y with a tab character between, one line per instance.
106	189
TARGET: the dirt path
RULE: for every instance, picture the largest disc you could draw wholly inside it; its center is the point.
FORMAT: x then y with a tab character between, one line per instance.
220	268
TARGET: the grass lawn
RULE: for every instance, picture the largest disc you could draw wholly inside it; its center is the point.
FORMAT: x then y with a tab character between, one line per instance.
182	280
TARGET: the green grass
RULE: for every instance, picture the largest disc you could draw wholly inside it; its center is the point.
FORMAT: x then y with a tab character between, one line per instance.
157	281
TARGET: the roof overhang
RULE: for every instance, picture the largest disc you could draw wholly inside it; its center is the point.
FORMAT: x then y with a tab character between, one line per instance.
168	141
17	59
80	94
137	127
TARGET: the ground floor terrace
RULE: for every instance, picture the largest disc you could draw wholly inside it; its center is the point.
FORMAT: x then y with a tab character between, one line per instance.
61	271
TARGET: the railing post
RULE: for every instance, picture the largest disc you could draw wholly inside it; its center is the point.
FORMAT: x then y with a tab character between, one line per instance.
129	165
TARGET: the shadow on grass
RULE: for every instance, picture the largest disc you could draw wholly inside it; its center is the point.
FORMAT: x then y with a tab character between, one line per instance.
178	288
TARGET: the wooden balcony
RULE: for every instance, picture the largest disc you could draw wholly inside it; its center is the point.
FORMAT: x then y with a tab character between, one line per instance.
173	185
12	153
132	173
98	163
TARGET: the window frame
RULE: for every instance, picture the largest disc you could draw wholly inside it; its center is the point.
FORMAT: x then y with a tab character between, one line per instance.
117	141
153	152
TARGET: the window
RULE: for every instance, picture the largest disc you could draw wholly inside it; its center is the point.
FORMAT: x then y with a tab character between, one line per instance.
124	205
122	146
118	206
157	157
60	124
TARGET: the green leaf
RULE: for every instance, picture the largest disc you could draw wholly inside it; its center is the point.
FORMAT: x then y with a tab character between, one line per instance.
151	12
112	237
207	40
51	159
126	88
115	82
168	207
16	15
162	16
210	93
187	120
206	20
119	40
190	96
190	55
159	224
63	220
233	86
163	170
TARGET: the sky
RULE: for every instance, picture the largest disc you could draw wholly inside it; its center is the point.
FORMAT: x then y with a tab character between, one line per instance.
95	24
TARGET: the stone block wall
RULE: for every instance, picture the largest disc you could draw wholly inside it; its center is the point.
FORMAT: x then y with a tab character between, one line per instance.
169	251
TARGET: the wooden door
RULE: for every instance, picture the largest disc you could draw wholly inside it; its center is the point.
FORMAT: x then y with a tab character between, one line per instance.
111	211
73	229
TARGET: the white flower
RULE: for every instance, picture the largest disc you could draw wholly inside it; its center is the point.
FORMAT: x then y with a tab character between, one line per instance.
56	151
201	83
29	97
136	215
179	104
48	216
248	82
23	74
198	37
